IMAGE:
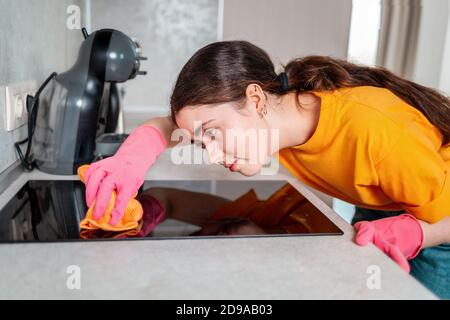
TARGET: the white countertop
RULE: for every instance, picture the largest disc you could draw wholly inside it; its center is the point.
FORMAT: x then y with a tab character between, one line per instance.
319	267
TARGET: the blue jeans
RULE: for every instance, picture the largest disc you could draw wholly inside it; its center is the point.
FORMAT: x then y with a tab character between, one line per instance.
431	267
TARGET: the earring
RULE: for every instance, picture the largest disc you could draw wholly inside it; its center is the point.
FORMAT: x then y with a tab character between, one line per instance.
263	113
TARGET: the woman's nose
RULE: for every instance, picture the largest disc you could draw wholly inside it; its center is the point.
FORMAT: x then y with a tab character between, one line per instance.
215	154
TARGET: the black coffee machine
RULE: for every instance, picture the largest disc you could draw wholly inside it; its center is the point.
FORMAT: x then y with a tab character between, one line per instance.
74	115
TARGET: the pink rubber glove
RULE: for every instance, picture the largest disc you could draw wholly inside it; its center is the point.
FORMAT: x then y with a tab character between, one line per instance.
123	172
400	237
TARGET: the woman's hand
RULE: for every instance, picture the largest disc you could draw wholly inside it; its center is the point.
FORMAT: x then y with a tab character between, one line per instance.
400	237
123	172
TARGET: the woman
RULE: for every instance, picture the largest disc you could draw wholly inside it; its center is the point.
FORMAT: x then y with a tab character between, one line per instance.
359	134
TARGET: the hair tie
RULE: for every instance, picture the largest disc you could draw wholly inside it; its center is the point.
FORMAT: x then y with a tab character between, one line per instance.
284	81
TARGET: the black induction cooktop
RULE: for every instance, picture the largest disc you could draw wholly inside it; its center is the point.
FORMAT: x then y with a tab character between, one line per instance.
51	211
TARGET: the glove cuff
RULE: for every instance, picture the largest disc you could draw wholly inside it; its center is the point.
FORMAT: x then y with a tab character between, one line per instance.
418	232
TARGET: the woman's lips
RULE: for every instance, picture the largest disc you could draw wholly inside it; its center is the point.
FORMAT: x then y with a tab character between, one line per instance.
233	166
227	165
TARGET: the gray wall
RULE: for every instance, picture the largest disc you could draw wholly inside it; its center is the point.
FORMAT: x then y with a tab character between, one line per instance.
170	31
432	35
288	29
34	41
444	81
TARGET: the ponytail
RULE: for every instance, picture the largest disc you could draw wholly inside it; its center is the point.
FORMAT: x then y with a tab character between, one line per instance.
321	73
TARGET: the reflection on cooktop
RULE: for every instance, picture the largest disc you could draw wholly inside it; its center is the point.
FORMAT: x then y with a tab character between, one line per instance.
47	210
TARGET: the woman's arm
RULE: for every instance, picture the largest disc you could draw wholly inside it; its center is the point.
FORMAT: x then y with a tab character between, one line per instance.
435	233
166	126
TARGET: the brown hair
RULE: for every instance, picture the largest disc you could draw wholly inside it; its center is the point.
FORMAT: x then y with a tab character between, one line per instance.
221	71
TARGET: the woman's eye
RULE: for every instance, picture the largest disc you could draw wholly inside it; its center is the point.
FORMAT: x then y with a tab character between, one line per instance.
211	133
198	143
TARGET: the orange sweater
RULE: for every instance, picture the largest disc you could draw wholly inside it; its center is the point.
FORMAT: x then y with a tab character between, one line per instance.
372	149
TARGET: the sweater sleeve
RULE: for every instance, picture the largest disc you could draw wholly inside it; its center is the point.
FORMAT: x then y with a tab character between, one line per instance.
413	174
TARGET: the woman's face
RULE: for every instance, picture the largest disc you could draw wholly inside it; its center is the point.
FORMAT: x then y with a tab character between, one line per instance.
236	137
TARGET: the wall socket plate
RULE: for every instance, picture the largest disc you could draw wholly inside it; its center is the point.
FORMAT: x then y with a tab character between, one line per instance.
16	114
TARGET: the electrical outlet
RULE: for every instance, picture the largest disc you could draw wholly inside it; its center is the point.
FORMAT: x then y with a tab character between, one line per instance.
15	102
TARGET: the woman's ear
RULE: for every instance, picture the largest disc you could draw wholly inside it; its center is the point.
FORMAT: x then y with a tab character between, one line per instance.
256	96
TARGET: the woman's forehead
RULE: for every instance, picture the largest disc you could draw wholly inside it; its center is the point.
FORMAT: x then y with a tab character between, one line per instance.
190	117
